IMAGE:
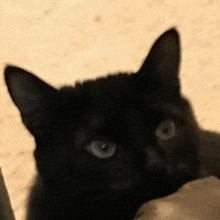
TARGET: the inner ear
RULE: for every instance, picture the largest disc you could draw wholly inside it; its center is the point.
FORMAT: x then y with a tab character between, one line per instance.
163	60
27	91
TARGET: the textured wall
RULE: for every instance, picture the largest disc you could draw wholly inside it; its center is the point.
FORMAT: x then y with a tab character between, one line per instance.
62	41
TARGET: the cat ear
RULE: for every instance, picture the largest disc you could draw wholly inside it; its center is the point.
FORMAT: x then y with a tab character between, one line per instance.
28	92
162	63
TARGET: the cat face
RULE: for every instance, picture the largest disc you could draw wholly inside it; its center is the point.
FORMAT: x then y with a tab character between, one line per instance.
128	133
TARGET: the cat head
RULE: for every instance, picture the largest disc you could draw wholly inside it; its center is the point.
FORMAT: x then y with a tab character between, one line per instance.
127	132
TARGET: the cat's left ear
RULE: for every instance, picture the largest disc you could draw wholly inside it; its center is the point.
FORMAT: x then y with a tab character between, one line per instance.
162	63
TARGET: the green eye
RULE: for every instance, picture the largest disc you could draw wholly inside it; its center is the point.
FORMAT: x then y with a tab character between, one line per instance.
101	149
166	130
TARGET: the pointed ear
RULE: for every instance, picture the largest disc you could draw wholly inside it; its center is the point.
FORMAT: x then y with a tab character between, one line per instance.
28	92
162	63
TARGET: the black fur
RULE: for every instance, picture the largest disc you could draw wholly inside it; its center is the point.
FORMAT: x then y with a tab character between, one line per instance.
124	109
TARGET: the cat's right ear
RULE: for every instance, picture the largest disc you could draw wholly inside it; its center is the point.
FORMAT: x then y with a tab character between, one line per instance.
28	92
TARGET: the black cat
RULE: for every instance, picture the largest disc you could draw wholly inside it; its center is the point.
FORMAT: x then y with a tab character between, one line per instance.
106	146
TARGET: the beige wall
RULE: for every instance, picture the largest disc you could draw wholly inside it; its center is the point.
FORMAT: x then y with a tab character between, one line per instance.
62	41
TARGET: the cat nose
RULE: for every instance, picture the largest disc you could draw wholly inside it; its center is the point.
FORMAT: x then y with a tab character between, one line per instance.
155	162
157	169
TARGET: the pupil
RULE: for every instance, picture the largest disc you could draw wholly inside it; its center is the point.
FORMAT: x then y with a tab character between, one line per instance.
166	131
104	147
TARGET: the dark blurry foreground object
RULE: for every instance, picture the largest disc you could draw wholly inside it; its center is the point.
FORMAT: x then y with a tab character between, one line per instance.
6	212
196	200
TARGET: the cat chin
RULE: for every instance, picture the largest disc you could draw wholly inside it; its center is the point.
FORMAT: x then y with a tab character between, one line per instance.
112	192
98	196
122	185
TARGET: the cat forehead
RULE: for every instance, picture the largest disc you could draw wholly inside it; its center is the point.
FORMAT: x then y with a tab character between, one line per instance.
96	121
119	82
102	89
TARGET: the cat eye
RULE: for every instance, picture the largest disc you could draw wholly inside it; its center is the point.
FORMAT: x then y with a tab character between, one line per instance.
166	130
101	149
